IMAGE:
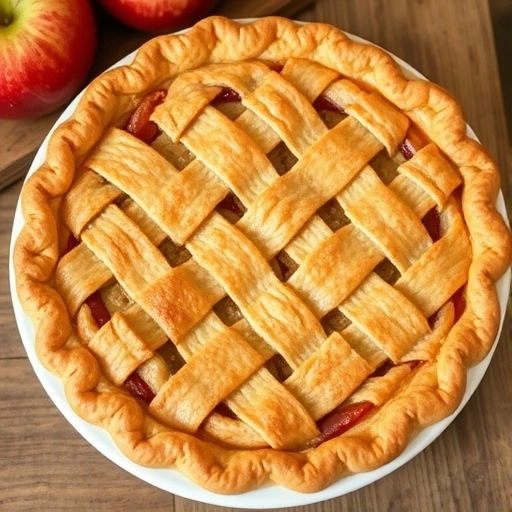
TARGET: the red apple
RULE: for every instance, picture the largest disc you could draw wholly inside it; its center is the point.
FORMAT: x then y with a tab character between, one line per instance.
46	50
158	15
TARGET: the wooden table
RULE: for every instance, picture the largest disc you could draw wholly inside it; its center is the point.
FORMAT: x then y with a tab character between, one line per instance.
46	466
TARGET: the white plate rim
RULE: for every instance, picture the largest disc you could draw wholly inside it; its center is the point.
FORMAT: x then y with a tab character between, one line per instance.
172	481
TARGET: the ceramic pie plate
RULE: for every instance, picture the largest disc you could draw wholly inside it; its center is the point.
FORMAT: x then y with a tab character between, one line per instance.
270	496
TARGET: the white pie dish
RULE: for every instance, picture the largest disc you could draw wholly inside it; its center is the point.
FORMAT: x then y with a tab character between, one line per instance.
172	481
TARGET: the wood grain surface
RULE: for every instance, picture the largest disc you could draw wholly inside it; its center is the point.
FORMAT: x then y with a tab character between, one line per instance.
46	466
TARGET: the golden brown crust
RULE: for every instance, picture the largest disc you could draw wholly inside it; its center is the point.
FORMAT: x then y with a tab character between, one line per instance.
429	394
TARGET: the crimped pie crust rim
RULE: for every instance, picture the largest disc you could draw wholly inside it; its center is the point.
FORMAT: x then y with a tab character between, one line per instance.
311	481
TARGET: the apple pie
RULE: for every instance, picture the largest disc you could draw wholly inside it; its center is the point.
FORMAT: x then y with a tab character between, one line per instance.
260	254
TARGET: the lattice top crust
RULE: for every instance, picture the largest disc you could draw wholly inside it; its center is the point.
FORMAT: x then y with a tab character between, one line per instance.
262	236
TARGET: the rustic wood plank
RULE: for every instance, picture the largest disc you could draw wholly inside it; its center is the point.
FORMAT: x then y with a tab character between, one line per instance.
10	345
19	142
257	9
39	449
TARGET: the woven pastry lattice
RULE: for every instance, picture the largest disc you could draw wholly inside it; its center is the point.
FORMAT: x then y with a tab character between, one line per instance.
335	269
271	226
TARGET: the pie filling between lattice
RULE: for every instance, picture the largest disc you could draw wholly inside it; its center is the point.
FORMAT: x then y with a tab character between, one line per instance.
259	278
259	252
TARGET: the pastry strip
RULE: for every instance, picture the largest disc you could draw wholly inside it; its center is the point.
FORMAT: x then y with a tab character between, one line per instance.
230	153
375	113
144	327
86	198
319	388
287	112
173	297
209	376
261	392
202	85
385	219
450	257
250	282
273	412
334	269
124	160
119	350
372	309
286	205
79	274
430	170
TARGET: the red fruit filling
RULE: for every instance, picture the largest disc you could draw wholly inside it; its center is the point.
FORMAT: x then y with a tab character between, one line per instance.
224	410
432	223
227	95
139	123
388	365
413	142
285	269
138	388
275	66
72	243
459	305
231	204
342	419
459	302
98	309
383	369
323	104
407	149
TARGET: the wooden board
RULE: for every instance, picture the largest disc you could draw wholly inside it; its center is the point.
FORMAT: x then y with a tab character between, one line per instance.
21	139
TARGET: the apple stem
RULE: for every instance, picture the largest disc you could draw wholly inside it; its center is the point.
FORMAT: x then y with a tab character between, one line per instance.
6	12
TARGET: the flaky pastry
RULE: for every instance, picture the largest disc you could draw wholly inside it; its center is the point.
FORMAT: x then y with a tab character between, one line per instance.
260	253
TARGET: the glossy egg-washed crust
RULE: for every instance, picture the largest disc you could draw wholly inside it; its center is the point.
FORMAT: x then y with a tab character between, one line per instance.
431	394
